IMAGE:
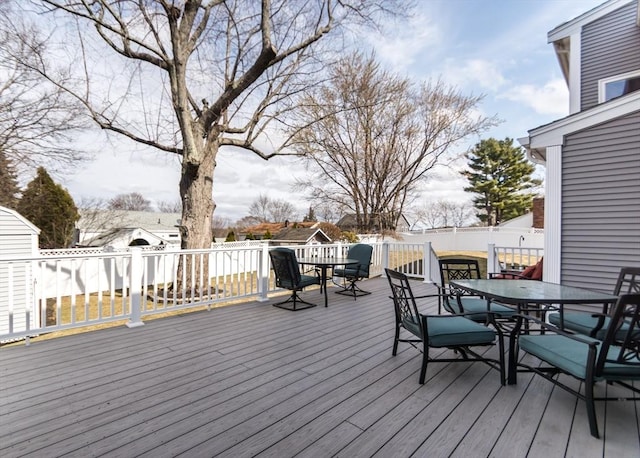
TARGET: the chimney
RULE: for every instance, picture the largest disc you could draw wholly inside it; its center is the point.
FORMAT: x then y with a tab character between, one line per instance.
538	212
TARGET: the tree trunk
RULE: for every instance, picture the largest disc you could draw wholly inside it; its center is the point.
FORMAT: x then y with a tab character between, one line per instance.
196	191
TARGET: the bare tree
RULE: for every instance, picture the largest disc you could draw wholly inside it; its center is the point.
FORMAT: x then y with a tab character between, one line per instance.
169	207
207	73
265	209
373	136
133	201
203	74
444	213
37	117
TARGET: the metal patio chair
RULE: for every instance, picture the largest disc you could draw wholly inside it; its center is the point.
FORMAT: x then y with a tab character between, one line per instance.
614	360
288	276
455	300
423	332
596	324
353	273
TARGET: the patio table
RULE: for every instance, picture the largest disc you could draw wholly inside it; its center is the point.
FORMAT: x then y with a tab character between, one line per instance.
529	295
324	264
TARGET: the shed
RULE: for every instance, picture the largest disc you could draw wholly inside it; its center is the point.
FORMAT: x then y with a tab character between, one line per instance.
18	240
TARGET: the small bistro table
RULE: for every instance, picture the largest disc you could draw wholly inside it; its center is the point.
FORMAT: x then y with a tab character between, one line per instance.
324	264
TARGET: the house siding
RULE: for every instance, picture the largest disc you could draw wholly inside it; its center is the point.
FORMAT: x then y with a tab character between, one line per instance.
610	46
601	203
17	239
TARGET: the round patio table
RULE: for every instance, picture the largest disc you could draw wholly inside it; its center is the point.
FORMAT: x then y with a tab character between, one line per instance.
324	264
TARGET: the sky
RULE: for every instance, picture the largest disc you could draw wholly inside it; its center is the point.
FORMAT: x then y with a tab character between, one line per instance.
497	48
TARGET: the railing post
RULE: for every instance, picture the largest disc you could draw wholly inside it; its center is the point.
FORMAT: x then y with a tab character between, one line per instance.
491	258
135	288
426	261
385	256
263	273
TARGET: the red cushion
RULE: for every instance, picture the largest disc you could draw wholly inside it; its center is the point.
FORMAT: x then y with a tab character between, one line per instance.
528	272
537	273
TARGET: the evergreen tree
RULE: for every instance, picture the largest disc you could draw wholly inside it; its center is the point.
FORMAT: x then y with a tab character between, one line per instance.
9	189
231	237
51	208
499	176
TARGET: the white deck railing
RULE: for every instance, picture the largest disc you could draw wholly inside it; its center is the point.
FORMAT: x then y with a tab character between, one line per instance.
80	288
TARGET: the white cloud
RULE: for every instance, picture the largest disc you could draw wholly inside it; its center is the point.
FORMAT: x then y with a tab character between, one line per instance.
474	73
550	99
403	42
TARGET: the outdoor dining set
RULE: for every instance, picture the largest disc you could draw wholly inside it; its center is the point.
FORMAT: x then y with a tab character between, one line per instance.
531	317
518	314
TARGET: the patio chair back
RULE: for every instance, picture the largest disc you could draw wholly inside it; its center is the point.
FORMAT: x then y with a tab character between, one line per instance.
596	325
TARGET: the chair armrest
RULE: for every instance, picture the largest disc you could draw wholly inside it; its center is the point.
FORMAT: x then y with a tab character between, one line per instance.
507	276
548	327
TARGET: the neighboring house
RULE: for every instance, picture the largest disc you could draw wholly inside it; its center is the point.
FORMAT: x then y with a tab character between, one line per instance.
18	238
300	236
121	228
533	219
592	157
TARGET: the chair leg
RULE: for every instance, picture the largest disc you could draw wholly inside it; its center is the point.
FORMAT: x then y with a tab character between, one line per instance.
352	289
425	361
294	300
591	408
395	340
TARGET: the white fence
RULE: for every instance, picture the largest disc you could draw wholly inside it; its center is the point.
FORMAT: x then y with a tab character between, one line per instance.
58	290
478	238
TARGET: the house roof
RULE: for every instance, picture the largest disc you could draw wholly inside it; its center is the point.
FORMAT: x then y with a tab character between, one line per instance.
126	235
553	133
23	222
300	234
561	35
119	219
276	227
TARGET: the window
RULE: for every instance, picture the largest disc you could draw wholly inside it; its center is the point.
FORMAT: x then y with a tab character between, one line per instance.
616	86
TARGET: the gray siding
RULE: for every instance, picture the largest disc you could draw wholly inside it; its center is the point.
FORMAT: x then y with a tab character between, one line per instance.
610	46
601	203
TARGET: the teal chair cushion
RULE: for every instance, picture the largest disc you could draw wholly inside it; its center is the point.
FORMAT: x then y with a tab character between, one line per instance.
584	322
571	356
451	331
478	307
305	280
347	272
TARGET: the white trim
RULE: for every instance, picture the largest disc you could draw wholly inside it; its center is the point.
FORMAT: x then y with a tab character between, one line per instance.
553	133
575	73
604	81
22	219
575	25
553	215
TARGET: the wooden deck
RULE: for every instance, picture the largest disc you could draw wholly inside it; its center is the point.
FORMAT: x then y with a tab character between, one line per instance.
255	380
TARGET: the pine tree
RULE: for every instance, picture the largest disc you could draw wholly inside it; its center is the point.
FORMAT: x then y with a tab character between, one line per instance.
9	189
51	208
499	177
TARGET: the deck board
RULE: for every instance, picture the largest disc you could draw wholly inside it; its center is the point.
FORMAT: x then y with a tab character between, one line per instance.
254	380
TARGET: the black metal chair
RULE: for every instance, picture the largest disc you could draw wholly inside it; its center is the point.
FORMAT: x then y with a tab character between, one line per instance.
288	276
458	301
614	360
456	332
353	273
596	324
